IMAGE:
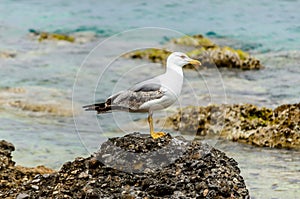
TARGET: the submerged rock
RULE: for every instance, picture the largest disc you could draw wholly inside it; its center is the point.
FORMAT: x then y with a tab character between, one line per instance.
54	109
137	166
204	50
77	37
7	54
51	36
35	102
278	128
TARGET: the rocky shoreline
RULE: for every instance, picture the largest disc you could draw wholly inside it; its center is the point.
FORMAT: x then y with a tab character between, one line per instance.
136	166
278	128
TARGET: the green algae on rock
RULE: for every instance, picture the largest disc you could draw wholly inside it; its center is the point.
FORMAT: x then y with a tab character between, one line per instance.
51	36
228	57
200	171
205	51
152	54
195	41
278	128
76	37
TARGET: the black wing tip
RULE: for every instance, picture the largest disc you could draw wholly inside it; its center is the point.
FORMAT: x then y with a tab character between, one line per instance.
91	107
87	106
99	107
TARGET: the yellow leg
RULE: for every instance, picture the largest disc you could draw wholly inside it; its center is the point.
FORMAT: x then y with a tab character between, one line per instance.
153	134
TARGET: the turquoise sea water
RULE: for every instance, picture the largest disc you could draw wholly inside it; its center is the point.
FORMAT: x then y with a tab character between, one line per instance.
47	71
273	25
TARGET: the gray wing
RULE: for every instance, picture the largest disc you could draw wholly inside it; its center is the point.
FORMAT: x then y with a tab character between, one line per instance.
133	98
148	85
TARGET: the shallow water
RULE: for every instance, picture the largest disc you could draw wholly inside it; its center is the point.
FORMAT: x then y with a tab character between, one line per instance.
47	71
274	172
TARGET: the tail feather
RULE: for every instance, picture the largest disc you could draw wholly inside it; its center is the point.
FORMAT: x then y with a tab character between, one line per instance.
105	107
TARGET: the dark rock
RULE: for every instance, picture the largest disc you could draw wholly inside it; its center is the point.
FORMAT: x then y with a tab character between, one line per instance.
141	154
160	190
163	168
6	148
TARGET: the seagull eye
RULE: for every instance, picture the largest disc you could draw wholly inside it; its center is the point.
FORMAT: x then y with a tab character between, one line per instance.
182	56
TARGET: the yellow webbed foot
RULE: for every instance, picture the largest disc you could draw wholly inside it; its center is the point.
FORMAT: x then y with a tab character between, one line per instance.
156	135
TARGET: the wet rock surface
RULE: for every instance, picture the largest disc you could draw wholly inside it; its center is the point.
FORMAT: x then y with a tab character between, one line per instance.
203	49
197	171
278	128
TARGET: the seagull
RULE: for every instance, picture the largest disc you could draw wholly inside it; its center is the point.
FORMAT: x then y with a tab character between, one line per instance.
151	95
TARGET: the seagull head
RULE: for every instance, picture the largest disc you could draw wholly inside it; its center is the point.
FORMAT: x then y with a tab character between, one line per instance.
180	59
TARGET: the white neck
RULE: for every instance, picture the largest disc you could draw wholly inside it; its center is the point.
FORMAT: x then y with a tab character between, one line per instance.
175	74
172	68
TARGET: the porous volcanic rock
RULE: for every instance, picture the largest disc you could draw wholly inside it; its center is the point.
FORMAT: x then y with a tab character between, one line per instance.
14	178
175	168
247	123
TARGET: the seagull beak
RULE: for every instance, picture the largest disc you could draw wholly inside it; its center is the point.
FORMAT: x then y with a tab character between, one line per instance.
195	62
